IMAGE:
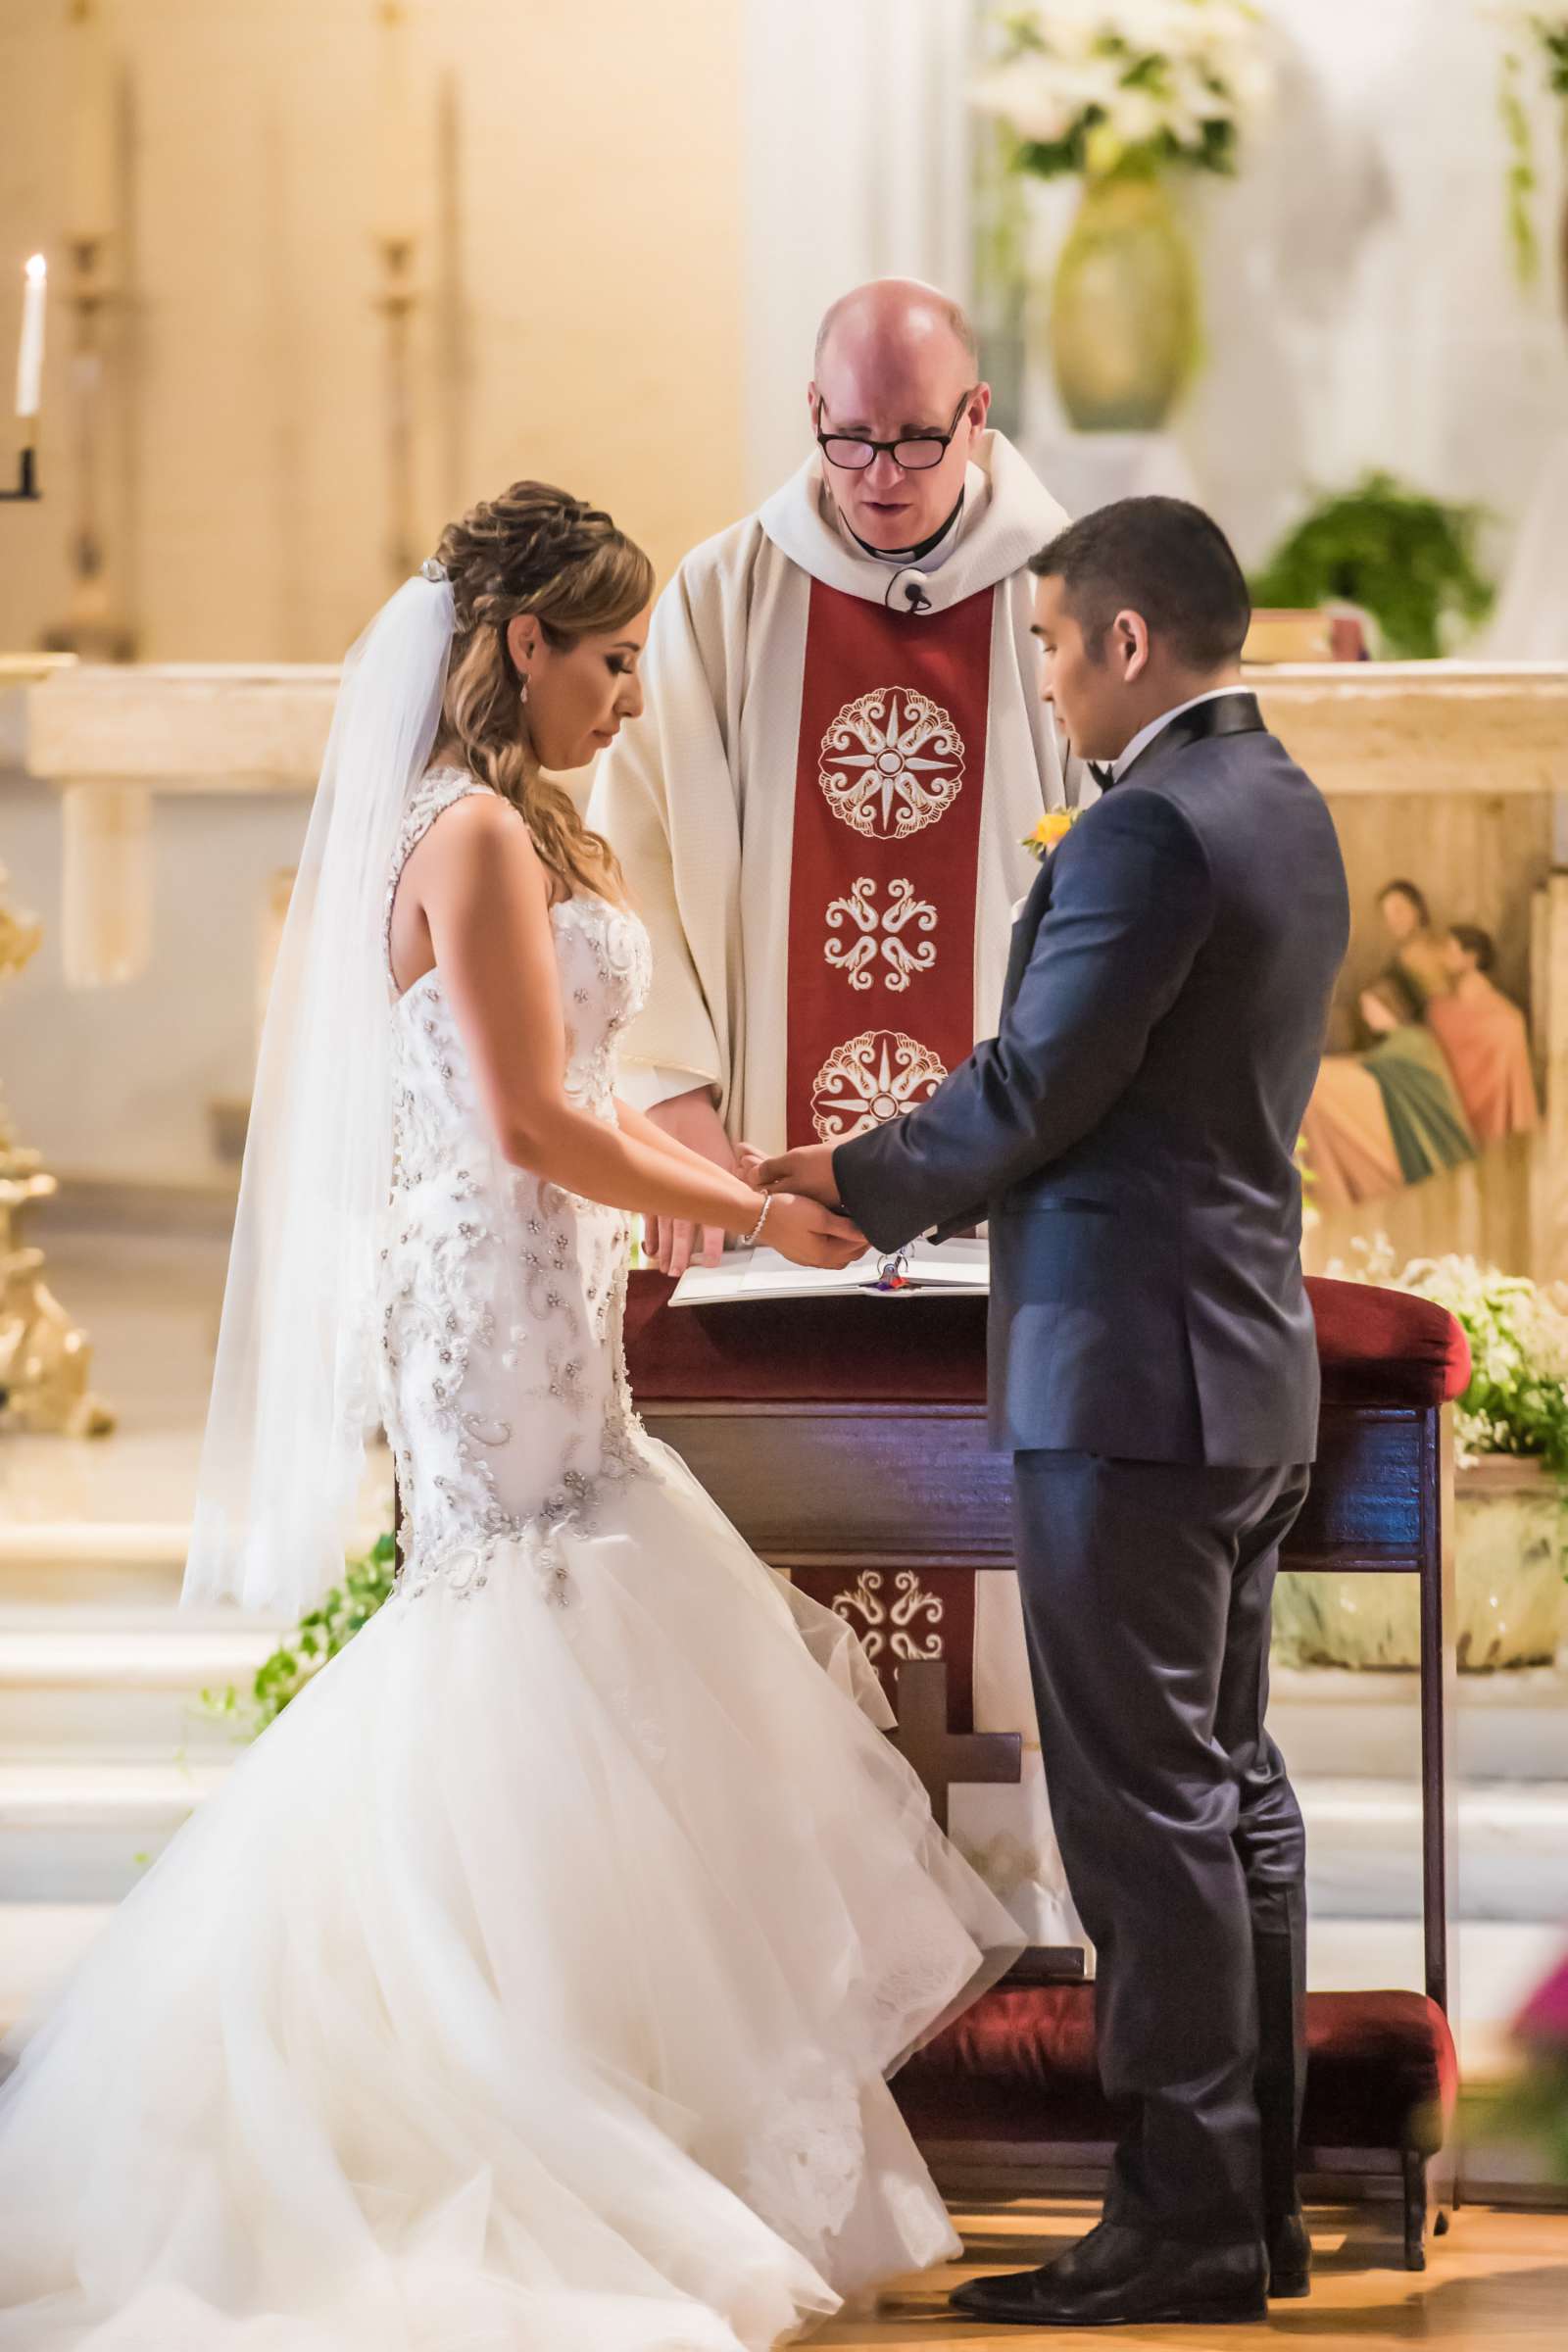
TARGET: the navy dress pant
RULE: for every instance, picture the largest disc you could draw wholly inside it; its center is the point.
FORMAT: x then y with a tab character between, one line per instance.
1146	1589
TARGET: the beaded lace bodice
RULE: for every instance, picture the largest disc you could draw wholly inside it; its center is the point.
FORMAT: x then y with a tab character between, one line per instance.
502	1295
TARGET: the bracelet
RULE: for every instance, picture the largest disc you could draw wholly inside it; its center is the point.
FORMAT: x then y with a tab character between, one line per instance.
756	1234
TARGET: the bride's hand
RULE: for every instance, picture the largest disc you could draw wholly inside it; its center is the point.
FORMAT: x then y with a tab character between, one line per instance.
809	1235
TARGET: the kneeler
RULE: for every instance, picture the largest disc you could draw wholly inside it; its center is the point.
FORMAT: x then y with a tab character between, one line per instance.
845	1437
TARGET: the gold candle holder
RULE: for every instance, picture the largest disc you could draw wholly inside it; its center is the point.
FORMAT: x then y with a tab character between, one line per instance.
397	300
92	627
44	1358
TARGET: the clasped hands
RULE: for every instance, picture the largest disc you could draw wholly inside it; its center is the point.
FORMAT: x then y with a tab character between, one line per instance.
807	1170
803	1221
802	1185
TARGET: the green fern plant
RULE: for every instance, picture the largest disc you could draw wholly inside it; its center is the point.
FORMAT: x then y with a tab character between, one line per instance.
319	1635
1407	559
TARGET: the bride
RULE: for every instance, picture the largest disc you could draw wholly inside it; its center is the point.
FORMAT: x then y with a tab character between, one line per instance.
532	1983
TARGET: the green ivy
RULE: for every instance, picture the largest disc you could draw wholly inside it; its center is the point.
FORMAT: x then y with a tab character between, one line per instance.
319	1635
1407	559
1535	2108
1548	36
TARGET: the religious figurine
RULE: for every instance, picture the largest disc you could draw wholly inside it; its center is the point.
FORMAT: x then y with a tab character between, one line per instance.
1419	945
1390	1117
1484	1038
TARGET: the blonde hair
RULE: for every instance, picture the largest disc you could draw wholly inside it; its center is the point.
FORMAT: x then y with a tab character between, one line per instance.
535	550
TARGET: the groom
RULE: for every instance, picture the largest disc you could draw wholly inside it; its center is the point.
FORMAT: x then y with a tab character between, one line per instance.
1130	1133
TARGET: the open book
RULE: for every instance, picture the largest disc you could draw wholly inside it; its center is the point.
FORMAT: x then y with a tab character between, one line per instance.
743	1274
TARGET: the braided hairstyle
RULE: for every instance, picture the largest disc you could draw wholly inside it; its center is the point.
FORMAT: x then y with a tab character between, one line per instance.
536	550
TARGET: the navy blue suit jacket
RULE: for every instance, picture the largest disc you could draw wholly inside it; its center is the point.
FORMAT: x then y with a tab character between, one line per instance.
1131	1130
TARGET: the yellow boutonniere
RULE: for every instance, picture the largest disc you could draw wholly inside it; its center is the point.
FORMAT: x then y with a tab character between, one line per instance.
1054	827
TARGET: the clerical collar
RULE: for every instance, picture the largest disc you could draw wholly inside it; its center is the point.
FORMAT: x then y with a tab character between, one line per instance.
925	553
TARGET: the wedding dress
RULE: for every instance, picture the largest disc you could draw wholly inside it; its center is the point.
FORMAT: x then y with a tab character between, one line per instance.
532	1982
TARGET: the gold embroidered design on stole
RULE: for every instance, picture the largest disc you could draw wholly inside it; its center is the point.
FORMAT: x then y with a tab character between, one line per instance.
873	1078
892	763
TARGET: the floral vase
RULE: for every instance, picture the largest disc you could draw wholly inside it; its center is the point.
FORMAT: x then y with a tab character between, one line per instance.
1124	312
1510	1551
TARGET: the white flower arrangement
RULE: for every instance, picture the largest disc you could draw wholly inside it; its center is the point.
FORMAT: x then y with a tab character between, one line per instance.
1517	1400
1101	86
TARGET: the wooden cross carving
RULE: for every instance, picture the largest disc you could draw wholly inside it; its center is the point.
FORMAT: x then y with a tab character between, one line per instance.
945	1759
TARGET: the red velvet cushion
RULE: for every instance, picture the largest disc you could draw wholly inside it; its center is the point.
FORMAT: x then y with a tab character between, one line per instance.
844	1350
1376	2060
1380	1346
1376	1348
1020	2066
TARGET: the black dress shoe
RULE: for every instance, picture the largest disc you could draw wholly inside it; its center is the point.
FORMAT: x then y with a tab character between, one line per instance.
1116	2277
1290	2258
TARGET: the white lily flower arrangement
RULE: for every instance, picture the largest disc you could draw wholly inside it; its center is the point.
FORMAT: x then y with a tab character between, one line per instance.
1095	87
1517	1400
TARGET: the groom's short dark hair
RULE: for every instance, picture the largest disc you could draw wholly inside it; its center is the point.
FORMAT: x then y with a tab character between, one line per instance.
1163	557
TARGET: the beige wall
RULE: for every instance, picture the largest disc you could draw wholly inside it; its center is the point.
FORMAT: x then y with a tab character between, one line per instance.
576	165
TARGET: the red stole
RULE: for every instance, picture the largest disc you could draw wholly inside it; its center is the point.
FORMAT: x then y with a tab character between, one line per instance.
885	860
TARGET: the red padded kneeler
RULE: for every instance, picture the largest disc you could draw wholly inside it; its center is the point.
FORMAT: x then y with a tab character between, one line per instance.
1020	2068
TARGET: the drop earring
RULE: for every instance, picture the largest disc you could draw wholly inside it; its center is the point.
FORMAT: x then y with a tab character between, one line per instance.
522	688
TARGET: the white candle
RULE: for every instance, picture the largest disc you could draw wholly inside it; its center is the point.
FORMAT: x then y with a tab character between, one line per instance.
29	358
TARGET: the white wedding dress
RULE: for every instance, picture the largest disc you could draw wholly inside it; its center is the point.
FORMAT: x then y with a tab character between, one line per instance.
530	1985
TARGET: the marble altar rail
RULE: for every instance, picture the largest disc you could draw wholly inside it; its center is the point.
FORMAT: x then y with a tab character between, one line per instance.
1455	772
1358	727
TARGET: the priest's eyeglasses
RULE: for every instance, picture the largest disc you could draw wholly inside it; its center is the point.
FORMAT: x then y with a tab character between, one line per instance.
916	452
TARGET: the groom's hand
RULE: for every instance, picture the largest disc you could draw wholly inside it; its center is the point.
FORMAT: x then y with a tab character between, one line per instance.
809	1170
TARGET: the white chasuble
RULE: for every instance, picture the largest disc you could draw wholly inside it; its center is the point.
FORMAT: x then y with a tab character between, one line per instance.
821	816
701	797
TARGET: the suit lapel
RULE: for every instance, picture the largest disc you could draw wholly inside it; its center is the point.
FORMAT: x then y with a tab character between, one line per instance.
1226	714
1023	931
1235	713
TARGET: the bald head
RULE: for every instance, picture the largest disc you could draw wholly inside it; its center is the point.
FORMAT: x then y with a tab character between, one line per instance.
899	317
896	361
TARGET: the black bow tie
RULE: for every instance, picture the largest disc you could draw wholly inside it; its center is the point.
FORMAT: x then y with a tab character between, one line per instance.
1104	777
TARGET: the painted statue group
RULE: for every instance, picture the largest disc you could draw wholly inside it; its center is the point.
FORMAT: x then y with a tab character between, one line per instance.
1447	1071
541	1977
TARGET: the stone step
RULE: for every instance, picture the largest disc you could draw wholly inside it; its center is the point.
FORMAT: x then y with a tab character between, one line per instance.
1509	1863
69	1563
1333	1722
75	1829
39	1943
121	1681
74	1833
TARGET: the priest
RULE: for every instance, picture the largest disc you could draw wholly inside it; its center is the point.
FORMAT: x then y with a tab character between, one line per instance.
822	815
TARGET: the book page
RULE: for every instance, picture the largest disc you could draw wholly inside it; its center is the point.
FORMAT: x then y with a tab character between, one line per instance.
759	1273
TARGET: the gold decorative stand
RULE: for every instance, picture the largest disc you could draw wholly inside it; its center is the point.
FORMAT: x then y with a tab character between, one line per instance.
44	1359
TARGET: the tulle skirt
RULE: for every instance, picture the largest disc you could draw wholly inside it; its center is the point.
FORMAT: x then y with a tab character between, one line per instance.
531	1984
